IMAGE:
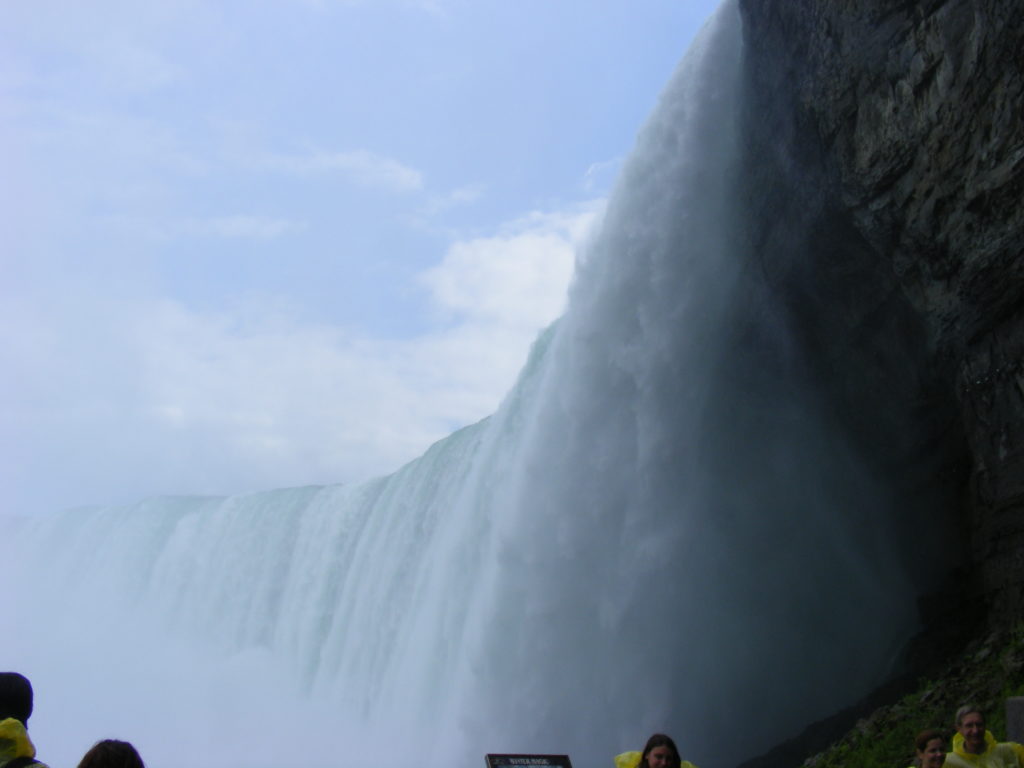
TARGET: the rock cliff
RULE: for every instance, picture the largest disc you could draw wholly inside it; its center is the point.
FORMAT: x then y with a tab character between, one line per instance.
891	134
886	140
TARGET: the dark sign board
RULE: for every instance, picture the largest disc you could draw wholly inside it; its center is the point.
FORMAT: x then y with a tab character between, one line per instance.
526	761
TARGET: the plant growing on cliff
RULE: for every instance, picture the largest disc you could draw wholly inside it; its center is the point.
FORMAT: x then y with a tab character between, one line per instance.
991	671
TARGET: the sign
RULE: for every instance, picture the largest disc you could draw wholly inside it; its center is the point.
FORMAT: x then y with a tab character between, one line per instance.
528	761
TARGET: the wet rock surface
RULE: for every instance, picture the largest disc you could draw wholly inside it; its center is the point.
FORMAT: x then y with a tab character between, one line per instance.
887	207
902	144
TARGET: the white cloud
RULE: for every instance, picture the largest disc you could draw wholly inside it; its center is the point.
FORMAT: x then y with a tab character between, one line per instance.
517	278
599	176
359	166
438	204
467	194
120	397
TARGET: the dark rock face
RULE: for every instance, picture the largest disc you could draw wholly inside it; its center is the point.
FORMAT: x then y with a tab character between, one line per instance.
892	134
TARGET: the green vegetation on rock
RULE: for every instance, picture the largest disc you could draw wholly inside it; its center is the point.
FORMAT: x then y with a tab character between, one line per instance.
989	672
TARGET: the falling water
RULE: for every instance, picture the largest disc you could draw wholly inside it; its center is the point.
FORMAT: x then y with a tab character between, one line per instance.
658	530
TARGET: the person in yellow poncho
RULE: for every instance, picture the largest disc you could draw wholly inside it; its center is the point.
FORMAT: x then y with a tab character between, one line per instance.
16	748
659	752
975	747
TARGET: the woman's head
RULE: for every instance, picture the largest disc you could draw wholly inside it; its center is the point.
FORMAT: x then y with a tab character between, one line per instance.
931	749
659	752
111	753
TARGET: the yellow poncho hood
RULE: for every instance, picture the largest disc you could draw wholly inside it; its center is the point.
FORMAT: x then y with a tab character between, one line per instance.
632	760
990	742
14	741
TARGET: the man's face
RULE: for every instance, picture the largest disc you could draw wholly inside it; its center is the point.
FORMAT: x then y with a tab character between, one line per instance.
972	728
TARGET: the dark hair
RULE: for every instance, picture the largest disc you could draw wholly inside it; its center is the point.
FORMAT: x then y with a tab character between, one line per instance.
922	739
15	696
111	753
660	740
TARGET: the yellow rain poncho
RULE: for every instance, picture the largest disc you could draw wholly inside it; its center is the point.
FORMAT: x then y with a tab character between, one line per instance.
14	741
996	755
632	760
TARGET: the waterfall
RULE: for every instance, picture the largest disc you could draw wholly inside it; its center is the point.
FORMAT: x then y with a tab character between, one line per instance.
659	530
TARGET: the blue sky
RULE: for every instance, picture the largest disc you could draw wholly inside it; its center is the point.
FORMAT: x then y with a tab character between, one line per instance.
247	245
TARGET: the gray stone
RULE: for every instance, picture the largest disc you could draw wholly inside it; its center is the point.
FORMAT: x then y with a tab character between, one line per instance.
1015	719
893	132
